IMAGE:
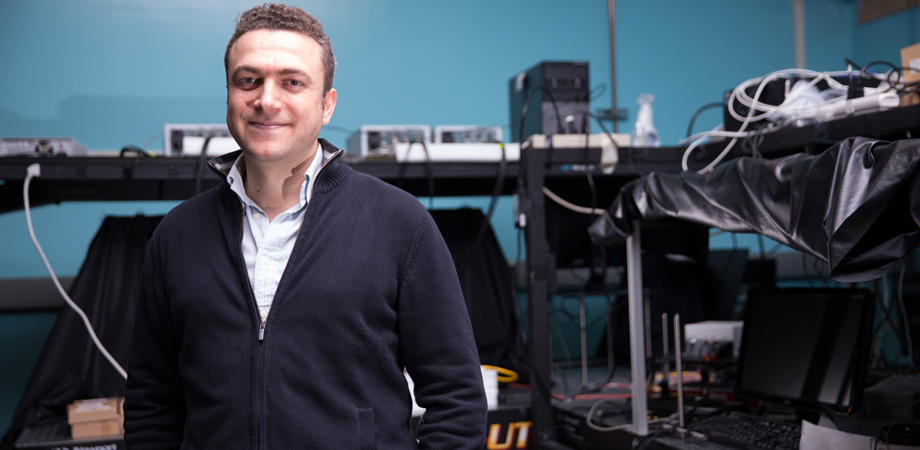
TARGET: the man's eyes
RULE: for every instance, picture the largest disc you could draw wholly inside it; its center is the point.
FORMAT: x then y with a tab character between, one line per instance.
247	82
252	82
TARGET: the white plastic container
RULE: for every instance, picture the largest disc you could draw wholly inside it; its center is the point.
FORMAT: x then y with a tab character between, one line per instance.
644	132
489	382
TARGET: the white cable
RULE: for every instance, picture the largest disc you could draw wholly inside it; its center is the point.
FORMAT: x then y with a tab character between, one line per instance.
33	171
597	427
753	104
571	206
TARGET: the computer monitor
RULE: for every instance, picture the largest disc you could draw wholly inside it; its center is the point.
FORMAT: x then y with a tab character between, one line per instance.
806	348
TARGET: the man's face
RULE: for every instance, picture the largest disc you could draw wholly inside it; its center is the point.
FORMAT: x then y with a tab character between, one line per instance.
275	103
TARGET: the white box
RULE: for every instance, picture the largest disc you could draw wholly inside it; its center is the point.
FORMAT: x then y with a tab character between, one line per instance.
714	331
371	138
187	139
467	134
458	153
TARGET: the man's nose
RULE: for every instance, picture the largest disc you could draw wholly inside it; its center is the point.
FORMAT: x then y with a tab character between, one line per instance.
268	98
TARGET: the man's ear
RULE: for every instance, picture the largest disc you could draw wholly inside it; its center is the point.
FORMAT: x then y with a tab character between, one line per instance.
328	105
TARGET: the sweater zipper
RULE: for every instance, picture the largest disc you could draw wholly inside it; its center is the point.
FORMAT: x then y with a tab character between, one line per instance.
259	360
263	317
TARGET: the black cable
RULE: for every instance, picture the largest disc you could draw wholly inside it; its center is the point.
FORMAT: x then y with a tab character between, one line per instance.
562	311
527	105
774	249
887	315
612	372
752	142
593	188
854	87
805	271
863	73
814	265
565	378
153	139
567	353
598	319
905	318
141	154
429	170
643	442
601	124
697	114
201	162
484	226
517	304
600	88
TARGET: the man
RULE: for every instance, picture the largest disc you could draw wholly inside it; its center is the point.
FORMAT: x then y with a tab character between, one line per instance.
279	309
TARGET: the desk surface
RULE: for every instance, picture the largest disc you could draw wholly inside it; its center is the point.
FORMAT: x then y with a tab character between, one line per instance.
111	178
120	179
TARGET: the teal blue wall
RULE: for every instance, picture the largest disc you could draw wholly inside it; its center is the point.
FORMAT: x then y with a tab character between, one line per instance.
112	72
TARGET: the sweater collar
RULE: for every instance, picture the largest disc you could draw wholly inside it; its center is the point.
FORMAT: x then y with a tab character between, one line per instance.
222	164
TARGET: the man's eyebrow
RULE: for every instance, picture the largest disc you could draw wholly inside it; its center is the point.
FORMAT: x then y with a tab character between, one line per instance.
245	69
294	72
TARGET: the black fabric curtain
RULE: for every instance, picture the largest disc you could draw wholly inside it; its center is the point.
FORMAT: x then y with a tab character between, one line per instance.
486	282
70	367
855	206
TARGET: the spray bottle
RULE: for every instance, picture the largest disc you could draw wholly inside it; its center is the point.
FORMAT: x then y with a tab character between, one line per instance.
644	132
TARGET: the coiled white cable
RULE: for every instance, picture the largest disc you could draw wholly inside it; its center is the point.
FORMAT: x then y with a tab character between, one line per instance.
760	111
34	170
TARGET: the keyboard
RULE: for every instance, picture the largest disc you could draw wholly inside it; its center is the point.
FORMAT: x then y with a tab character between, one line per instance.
749	432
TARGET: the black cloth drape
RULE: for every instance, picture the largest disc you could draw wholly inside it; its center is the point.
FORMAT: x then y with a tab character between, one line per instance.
70	367
486	282
856	206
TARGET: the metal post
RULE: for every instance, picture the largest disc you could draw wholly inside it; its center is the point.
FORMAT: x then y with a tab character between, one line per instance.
583	332
611	363
798	24
537	293
678	349
636	334
665	353
611	13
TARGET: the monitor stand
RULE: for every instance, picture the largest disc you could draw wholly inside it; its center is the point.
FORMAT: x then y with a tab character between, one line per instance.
826	421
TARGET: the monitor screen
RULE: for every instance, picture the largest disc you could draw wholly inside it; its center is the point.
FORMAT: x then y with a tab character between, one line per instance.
806	347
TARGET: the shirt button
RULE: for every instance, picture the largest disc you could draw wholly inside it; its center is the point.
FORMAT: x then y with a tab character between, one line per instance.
265	261
256	216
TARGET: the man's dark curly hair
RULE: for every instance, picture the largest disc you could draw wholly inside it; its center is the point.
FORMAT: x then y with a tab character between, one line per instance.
287	18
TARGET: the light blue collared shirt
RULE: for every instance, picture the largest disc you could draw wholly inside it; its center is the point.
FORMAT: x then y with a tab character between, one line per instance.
267	246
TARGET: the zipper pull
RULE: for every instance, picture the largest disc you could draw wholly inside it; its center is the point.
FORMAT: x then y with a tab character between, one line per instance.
264	315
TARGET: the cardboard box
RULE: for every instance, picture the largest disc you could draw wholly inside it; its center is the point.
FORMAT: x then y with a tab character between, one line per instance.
910	58
96	410
97	429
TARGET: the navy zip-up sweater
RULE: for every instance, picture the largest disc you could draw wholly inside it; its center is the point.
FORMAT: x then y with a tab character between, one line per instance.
370	288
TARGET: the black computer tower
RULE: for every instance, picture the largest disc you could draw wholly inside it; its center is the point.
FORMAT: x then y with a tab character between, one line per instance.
558	84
